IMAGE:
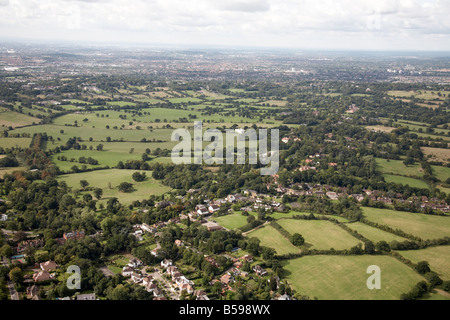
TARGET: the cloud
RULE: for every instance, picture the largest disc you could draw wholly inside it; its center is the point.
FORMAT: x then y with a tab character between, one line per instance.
256	22
244	5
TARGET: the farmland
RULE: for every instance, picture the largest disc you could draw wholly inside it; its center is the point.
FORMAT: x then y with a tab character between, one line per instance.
321	235
423	226
344	278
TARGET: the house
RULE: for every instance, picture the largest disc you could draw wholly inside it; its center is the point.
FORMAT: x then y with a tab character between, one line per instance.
74	235
226	279
158	292
134	263
284	297
155	252
187	287
42	276
247	258
87	296
259	270
163	204
332	195
4	217
150	287
148	228
199	293
127	271
147	280
171	270
33	292
178	243
48	265
166	263
212	226
203	211
213	208
136	277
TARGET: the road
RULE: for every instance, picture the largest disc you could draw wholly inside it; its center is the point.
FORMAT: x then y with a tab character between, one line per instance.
12	291
166	285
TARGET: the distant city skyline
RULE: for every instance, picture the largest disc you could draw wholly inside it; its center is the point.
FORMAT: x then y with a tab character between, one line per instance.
304	24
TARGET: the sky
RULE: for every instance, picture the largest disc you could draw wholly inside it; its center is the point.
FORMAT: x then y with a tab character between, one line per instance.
306	24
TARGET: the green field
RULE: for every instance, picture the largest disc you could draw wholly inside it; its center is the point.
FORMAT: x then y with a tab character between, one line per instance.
397	167
374	234
319	234
414	183
437	257
15	142
271	238
421	225
231	221
345	277
102	179
15	119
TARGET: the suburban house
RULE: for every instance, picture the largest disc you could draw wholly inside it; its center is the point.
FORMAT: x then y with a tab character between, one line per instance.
87	296
136	277
48	265
127	271
134	263
33	292
41	276
166	263
213	208
259	271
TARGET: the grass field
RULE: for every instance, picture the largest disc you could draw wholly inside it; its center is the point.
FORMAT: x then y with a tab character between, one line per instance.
421	225
397	167
4	171
437	154
271	238
15	119
437	257
414	183
102	179
374	234
15	142
345	277
321	235
232	221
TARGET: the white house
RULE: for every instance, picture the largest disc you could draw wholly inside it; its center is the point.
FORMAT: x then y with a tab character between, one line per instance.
166	263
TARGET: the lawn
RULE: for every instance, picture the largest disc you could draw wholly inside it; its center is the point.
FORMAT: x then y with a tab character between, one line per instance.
271	238
414	183
421	225
437	257
319	234
15	119
15	142
345	277
397	167
374	234
231	221
102	179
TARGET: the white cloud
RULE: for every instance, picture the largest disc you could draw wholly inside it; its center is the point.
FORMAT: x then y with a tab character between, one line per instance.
322	23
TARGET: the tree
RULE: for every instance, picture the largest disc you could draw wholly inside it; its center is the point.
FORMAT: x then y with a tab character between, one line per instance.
6	251
84	183
383	246
16	275
125	187
297	239
98	192
423	267
137	176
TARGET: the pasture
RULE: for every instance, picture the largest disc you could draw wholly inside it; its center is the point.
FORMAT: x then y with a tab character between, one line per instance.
320	235
345	277
421	225
437	257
